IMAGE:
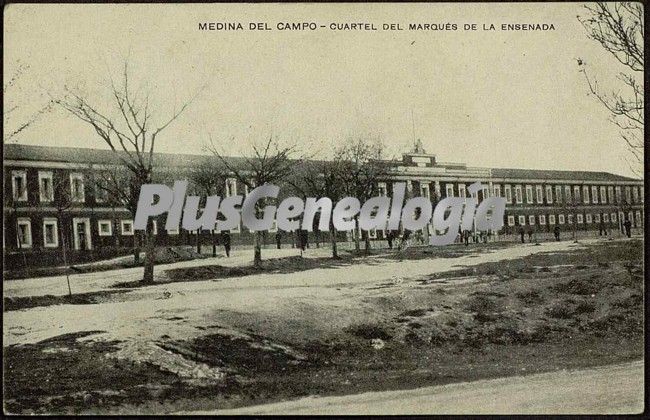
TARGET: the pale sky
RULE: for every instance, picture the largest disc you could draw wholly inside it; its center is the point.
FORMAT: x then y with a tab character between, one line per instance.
485	98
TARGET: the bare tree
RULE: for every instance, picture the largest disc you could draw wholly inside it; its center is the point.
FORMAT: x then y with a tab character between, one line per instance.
361	166
619	28
269	162
119	188
13	123
319	179
13	204
131	136
569	203
63	203
208	178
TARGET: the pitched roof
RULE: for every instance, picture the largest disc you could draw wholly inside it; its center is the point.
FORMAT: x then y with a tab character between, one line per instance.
545	174
94	156
105	156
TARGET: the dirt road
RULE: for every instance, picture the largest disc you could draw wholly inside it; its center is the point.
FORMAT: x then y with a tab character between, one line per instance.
616	389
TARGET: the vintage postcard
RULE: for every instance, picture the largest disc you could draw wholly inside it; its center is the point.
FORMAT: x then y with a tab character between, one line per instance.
301	208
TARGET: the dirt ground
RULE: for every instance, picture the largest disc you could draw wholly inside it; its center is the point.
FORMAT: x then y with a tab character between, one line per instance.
216	333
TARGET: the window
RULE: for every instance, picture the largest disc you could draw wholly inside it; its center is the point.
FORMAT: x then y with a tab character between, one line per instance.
642	194
50	233
606	218
588	217
539	194
511	220
560	219
594	194
576	194
569	219
462	192
551	219
485	193
172	231
24	236
531	220
558	193
567	193
105	228
549	194
614	217
496	190
372	234
231	187
424	190
127	227
518	197
522	220
542	219
382	189
579	218
603	195
77	187
635	193
628	195
610	193
637	218
596	218
45	186
585	193
449	190
529	194
618	194
19	185
508	193
101	195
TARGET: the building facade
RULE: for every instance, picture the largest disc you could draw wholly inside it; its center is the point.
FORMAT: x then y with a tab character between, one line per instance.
54	201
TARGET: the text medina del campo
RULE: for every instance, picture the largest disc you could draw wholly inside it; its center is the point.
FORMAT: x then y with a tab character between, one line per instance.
379	212
366	26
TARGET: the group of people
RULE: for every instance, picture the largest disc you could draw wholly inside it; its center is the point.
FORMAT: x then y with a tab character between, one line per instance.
405	240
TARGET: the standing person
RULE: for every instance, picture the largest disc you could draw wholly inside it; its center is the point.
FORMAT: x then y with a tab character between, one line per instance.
389	238
601	227
278	239
225	238
302	239
556	232
628	228
530	234
466	237
521	233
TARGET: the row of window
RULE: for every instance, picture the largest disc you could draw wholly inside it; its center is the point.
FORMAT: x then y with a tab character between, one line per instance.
51	230
547	194
561	219
77	189
540	194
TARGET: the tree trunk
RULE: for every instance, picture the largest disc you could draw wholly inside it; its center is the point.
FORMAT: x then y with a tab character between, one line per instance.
198	241
257	246
136	248
366	240
150	254
357	246
333	239
214	244
65	257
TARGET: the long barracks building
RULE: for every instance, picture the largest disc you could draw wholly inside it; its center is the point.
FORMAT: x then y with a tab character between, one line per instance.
37	226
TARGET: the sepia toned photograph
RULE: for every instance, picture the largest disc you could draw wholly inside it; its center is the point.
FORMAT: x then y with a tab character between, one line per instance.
323	209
